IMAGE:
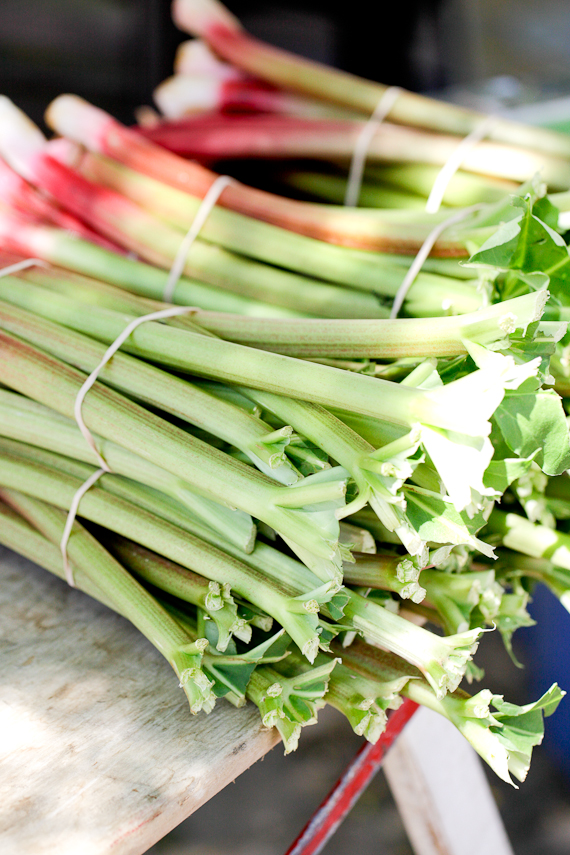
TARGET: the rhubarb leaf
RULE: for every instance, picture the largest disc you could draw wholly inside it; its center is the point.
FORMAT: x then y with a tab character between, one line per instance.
533	422
527	244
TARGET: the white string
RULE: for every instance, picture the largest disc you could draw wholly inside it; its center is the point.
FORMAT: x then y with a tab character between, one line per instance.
454	161
111	350
362	145
22	265
202	214
71	519
88	436
423	253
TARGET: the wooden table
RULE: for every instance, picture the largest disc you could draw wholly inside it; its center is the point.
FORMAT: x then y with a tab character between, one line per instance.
98	750
99	754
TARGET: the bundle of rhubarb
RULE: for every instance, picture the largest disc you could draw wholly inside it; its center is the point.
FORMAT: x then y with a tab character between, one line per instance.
297	495
233	98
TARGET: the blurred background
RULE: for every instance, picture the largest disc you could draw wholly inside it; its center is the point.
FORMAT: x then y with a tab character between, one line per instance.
492	53
496	55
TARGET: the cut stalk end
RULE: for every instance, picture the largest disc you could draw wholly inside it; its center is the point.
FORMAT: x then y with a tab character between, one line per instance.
73	117
199	16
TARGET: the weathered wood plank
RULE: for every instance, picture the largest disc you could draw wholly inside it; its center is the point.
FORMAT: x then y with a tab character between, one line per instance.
443	796
98	750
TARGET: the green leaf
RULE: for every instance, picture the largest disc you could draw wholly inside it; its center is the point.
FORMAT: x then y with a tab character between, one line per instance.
233	672
498	251
508	713
519	729
500	474
504	739
533	424
535	343
437	521
512	615
539	246
547	212
528	244
336	604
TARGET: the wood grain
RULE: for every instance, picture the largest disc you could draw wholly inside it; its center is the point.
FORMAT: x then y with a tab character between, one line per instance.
98	750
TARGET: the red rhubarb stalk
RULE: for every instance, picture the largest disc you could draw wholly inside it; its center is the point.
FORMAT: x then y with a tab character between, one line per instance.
16	193
363	229
211	21
185	94
220	136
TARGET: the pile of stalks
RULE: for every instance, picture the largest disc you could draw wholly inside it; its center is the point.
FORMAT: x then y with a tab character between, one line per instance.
299	498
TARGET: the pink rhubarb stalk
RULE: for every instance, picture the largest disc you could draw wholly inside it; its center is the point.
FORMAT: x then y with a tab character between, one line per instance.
362	229
16	193
212	22
217	137
185	94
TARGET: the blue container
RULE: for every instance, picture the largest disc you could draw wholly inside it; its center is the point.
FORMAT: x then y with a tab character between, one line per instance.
547	655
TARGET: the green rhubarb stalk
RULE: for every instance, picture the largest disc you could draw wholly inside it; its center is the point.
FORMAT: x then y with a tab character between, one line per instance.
290	702
275	246
30	422
262	445
513	565
97	293
350	695
369	521
375	339
457	595
380	488
464	188
504	737
300	696
128	597
260	691
263	558
208	470
276	565
441	660
537	542
388	572
214	599
328	187
66	250
18	535
463	405
162	537
356	539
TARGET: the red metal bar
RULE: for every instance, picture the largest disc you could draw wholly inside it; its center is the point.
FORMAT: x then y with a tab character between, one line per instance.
350	785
